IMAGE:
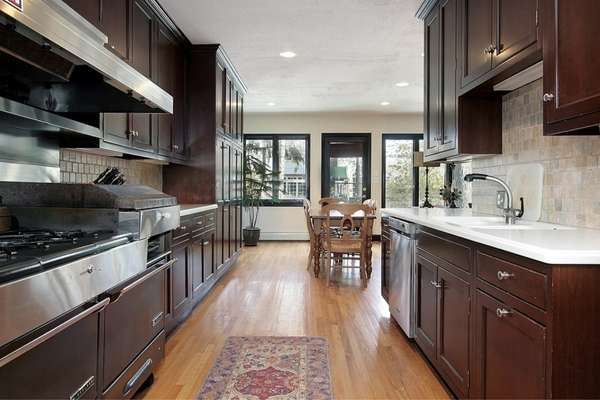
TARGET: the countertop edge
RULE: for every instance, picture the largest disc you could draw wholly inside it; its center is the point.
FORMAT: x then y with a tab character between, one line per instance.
191	209
544	255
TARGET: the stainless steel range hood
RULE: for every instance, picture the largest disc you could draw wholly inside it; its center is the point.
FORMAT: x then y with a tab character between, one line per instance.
54	60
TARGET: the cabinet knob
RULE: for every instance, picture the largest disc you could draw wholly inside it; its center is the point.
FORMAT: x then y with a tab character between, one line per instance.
503	312
175	147
547	97
436	285
503	275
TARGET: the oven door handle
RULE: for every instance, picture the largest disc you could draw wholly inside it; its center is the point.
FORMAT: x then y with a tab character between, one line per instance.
144	278
53	332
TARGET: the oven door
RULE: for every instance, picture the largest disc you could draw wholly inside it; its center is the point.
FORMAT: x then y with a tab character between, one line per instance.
60	363
133	320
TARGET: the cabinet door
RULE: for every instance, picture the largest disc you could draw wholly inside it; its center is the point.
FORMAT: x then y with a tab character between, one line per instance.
477	44
426	329
515	28
88	9
218	245
197	266
166	56
180	279
571	62
227	112
179	124
115	17
241	138
448	39
453	337
220	99
510	350
432	82
115	128
208	255
226	231
141	59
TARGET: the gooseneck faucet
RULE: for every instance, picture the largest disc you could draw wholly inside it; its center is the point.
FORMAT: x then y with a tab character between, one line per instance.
510	213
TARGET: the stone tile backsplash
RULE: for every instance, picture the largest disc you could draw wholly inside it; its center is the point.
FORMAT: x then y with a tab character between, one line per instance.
81	167
571	189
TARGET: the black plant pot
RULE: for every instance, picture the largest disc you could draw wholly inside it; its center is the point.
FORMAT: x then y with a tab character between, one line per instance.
251	236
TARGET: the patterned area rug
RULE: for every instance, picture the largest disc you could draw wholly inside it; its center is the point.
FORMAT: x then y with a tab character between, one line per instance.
268	367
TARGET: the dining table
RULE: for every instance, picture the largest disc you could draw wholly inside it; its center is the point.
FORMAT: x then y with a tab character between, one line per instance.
318	217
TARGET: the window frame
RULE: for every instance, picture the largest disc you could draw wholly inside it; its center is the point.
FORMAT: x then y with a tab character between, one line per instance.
415	137
276	137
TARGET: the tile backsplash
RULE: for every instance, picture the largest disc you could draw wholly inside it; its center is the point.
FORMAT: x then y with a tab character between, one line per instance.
81	167
571	188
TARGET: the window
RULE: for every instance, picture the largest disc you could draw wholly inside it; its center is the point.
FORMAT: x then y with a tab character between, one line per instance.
404	185
289	156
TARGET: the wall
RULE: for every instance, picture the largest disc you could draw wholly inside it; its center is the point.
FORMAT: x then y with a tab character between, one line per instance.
81	167
571	188
288	223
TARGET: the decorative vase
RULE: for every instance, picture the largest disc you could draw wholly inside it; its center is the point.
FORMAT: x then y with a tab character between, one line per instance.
251	236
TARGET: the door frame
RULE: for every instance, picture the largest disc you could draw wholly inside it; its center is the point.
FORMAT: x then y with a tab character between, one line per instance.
415	137
325	138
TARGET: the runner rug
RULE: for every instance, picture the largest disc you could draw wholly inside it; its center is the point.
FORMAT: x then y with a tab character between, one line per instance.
270	367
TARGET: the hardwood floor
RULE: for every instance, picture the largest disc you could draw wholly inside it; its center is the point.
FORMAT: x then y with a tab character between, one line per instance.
269	292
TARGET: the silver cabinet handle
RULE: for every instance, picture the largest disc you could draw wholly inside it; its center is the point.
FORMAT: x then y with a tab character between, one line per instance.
503	275
490	49
183	228
436	285
52	332
547	97
206	243
156	320
131	383
503	312
175	147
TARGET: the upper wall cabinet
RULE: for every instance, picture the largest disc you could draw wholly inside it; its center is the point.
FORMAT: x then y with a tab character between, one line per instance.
498	37
571	64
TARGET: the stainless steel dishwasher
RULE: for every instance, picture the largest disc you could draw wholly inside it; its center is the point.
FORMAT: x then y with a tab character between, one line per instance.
402	275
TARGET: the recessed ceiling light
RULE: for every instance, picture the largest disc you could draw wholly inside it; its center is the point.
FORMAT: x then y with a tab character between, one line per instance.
288	54
385	103
402	84
270	104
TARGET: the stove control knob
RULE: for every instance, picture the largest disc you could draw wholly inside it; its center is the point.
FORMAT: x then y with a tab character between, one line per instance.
90	269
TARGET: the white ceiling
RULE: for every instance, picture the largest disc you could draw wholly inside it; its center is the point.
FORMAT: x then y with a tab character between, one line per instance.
350	52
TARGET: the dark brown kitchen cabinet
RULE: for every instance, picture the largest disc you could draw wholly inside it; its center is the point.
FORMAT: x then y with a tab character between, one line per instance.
571	80
426	310
115	24
454	312
180	281
208	265
91	10
440	72
510	349
115	127
477	42
498	38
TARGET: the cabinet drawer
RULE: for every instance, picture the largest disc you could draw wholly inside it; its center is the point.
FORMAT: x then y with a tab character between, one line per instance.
519	281
453	252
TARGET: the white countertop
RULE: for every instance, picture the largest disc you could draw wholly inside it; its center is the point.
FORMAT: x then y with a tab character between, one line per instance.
191	209
570	246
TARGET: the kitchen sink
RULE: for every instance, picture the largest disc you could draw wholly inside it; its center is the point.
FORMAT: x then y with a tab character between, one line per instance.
497	223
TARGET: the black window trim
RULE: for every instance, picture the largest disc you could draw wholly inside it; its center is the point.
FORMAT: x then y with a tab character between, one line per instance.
415	137
275	137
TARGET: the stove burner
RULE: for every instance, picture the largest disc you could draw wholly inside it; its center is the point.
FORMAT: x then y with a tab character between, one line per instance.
12	242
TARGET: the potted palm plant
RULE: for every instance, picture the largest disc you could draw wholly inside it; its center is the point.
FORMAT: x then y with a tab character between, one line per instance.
260	183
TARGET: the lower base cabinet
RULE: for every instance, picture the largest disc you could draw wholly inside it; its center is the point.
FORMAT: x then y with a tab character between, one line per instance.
510	349
198	245
497	325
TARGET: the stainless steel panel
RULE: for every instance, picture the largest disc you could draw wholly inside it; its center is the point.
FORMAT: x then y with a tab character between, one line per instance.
32	301
402	287
14	172
57	22
155	221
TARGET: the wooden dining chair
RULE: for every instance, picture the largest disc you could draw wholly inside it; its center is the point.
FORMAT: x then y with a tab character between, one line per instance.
313	252
328	200
355	231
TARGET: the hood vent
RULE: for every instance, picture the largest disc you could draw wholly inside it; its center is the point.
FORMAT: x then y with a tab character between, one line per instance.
52	59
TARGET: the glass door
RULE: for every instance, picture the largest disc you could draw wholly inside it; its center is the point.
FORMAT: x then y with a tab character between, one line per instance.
346	162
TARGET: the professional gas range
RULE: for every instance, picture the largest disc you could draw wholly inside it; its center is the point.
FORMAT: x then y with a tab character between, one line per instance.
82	288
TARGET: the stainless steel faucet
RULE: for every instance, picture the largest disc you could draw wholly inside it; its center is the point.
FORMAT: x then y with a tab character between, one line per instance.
510	213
